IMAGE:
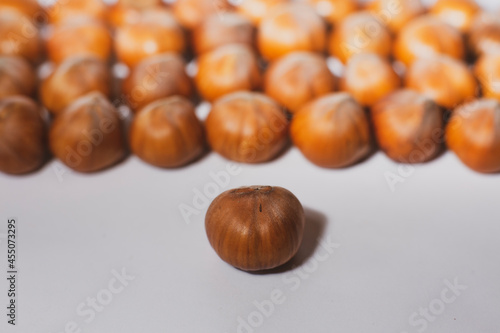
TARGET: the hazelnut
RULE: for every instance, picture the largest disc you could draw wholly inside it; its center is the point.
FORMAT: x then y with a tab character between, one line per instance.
74	78
457	13
167	133
217	30
67	10
190	13
227	69
255	227
29	8
408	126
368	77
358	33
156	77
23	136
484	33
88	136
298	78
247	127
153	34
93	39
396	13
291	27
426	37
473	135
255	10
487	71
334	11
445	80
16	77
123	12
328	140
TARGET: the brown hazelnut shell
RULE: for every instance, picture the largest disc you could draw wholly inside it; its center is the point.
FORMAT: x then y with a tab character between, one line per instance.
29	8
67	10
334	11
255	10
487	71
19	37
457	13
17	77
121	13
396	13
190	13
484	34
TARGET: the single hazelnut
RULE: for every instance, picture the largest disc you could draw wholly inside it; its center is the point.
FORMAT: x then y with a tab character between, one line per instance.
360	32
167	133
190	13
125	12
368	77
155	33
457	13
426	37
445	80
247	127
298	78
74	78
93	39
487	71
222	29
484	33
291	27
255	10
154	78
227	69
19	37
29	8
23	136
334	11
408	126
396	13
332	131
88	136
473	135
17	77
255	228
67	10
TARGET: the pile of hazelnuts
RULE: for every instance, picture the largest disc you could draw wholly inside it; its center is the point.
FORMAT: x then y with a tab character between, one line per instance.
337	78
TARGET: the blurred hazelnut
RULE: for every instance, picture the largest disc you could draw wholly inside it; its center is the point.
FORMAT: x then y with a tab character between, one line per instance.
445	80
30	8
290	27
217	30
255	10
298	78
484	33
473	134
17	77
67	10
332	131
72	79
88	136
487	71
409	127
247	127
19	37
156	77
227	69
23	136
426	37
121	13
396	13
368	77
457	13
167	133
190	13
334	11
359	33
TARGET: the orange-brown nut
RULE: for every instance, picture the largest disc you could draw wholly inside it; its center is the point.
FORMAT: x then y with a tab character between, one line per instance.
457	13
332	131
426	37
408	126
445	80
167	133
23	136
89	135
334	11
255	10
396	13
29	8
17	77
484	34
19	36
154	78
121	13
473	134
72	79
247	127
288	28
359	33
369	77
190	13
298	78
487	71
67	10
227	69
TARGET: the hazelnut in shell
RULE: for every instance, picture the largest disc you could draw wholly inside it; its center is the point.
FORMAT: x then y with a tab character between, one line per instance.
457	13
167	133
408	126
396	13
484	33
227	69
19	37
121	13
288	28
334	11
487	71
255	228
247	127
17	77
67	10
88	136
332	131
23	136
473	134
255	10
298	78
190	13
29	8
